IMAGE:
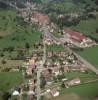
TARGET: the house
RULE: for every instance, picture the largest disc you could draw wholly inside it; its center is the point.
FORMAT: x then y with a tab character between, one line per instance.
75	81
56	70
66	69
39	18
49	54
31	85
15	93
31	66
48	41
47	75
55	93
78	68
77	38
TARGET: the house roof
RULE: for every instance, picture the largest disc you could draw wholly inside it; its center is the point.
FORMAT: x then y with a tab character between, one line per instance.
15	93
75	36
40	17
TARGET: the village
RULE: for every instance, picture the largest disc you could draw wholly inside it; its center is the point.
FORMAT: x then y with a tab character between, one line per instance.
57	64
53	66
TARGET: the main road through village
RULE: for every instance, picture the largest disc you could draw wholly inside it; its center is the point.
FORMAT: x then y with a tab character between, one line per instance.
40	67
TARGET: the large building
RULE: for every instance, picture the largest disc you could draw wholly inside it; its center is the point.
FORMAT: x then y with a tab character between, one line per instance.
77	38
39	18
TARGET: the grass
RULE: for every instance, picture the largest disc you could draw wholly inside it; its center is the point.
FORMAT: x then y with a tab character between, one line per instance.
9	79
56	34
79	74
88	27
91	55
21	39
55	48
86	90
84	77
15	31
83	91
7	22
71	96
10	64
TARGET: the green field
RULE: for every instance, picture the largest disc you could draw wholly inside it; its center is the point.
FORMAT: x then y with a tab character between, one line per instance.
82	91
55	48
9	79
70	96
86	90
91	55
88	27
15	32
10	64
71	75
7	22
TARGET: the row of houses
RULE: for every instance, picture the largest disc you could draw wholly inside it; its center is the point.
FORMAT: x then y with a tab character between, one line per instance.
48	73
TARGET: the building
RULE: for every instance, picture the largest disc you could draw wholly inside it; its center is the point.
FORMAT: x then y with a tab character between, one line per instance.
31	86
31	66
55	93
75	81
77	38
39	18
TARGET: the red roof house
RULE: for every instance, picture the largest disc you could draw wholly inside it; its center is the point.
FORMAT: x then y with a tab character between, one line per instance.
75	36
39	18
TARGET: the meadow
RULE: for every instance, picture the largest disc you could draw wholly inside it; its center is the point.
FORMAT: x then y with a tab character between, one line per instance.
9	80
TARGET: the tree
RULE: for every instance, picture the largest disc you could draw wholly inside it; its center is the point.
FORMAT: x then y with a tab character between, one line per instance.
10	49
96	2
63	85
3	62
43	81
62	69
27	46
6	96
2	55
97	30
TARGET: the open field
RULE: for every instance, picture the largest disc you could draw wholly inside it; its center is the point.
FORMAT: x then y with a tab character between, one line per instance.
55	48
15	32
10	64
91	55
9	79
84	77
88	27
7	22
86	90
71	96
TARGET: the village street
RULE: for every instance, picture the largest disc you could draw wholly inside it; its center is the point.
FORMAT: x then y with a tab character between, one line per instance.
40	67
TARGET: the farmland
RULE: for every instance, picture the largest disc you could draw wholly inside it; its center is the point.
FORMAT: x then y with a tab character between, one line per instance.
9	80
91	55
88	27
87	90
55	48
17	32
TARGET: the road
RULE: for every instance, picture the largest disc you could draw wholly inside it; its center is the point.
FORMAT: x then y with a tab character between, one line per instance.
40	67
88	65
